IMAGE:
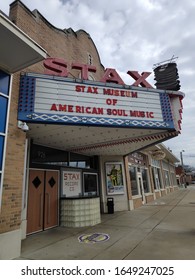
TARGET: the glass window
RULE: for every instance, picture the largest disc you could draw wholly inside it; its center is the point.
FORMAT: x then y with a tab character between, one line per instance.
3	113
155	162
145	180
173	178
132	174
81	161
0	185
4	82
1	150
90	184
156	178
159	177
90	59
46	155
4	99
167	179
165	165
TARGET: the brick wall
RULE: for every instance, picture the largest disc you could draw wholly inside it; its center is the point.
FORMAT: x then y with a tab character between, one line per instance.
10	214
69	45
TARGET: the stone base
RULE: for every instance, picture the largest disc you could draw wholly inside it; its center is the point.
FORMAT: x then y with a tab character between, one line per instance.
80	212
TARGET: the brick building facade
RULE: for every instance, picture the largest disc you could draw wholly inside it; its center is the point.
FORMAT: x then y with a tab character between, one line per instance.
89	151
75	44
17	51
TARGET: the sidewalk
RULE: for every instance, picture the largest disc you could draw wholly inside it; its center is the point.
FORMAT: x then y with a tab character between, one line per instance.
163	229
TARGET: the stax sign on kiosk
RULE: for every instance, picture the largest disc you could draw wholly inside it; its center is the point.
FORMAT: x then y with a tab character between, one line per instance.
55	98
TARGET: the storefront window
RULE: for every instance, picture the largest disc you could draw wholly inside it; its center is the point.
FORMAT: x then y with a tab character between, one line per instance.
145	180
81	161
156	178
3	113
167	179
160	177
155	162
48	156
45	155
4	101
134	187
173	177
166	173
1	150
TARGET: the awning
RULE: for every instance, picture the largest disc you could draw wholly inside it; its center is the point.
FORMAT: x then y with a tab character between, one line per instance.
17	50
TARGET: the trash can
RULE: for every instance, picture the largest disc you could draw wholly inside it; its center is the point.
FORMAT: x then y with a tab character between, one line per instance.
110	204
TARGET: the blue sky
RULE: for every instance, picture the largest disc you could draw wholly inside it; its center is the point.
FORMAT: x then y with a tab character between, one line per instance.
135	35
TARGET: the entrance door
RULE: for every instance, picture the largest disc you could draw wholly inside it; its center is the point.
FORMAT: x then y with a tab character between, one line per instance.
42	210
51	199
141	187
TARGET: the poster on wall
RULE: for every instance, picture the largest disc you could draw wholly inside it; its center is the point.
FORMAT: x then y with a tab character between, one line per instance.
71	183
114	178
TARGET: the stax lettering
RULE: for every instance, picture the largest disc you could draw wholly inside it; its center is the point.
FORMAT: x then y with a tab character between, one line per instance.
71	176
59	67
87	89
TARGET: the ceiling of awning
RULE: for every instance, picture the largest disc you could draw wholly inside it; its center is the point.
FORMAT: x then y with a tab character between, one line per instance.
95	140
17	50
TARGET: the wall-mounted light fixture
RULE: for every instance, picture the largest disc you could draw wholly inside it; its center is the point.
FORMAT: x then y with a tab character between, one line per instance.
22	125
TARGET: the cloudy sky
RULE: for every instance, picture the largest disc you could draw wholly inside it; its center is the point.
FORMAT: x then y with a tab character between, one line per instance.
135	35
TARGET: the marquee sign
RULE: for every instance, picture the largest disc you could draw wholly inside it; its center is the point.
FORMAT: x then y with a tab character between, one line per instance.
48	99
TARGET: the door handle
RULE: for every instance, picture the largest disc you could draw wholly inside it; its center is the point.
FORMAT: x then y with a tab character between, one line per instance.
48	208
41	210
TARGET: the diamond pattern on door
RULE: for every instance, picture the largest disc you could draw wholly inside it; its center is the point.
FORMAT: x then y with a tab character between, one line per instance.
52	182
35	201
51	199
36	182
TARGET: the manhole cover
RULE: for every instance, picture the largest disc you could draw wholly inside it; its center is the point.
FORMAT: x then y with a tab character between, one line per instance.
93	237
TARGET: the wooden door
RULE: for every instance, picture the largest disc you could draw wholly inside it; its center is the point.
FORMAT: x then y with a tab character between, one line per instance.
42	212
35	201
51	199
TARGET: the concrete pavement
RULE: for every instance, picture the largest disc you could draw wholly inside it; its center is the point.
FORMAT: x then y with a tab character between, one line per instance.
161	230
